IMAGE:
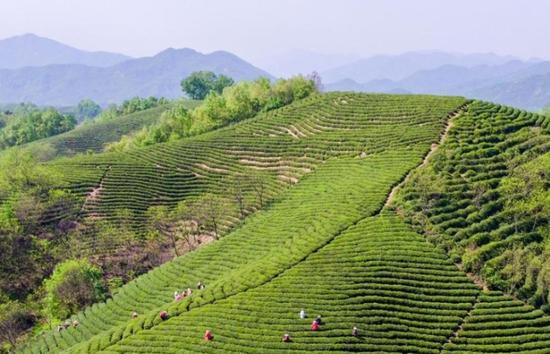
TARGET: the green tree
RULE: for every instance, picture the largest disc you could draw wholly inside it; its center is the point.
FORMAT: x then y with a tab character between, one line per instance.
87	109
200	83
159	223
222	82
15	319
212	210
27	195
73	285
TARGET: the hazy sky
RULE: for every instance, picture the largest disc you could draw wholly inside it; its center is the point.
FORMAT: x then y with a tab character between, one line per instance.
260	28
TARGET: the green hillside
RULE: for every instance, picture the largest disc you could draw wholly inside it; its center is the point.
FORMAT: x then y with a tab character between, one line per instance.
329	238
283	145
474	208
93	136
346	151
500	324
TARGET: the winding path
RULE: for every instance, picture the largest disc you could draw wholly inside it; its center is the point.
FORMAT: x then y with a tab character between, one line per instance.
433	149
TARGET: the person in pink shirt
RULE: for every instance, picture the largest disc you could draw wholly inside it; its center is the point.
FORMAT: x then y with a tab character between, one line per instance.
315	326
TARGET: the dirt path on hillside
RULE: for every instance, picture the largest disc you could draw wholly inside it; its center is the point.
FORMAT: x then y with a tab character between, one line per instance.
433	149
94	194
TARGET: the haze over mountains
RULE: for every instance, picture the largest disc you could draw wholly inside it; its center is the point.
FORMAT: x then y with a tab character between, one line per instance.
47	72
32	50
299	61
505	80
66	84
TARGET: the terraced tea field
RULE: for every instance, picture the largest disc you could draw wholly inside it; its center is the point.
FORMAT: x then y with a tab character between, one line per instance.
324	243
344	177
467	212
500	324
283	145
399	291
93	137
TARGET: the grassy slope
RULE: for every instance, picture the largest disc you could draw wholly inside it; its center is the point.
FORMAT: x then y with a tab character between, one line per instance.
500	324
358	147
94	135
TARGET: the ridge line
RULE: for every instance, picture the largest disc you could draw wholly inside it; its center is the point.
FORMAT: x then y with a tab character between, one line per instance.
435	146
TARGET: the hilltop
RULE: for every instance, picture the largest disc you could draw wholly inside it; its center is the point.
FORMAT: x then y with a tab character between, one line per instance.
32	50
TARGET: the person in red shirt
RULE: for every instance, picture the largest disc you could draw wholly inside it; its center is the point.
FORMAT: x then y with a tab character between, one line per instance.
163	315
208	336
134	316
286	338
315	326
75	323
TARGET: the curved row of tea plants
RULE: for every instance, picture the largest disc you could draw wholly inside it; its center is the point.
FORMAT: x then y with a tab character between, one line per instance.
301	220
401	293
282	146
459	196
500	324
93	136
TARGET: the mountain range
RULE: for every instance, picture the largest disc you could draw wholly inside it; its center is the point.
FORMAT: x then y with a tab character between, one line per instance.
46	72
299	61
516	83
32	50
62	84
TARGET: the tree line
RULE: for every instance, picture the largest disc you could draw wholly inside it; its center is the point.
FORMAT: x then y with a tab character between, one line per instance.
27	123
235	102
54	263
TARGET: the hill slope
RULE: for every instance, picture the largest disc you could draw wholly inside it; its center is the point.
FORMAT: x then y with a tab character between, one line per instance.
160	76
346	151
283	145
93	136
32	50
329	244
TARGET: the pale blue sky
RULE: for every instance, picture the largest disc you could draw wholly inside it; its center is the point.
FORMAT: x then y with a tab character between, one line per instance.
259	28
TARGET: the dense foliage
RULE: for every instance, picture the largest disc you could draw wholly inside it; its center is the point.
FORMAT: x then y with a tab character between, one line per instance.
33	209
15	319
201	83
25	125
241	101
73	285
86	109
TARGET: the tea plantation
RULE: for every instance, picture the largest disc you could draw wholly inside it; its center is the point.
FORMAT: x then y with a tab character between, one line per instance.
282	145
324	242
92	137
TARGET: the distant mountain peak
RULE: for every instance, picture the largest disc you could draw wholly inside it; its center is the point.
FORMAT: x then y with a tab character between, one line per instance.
159	75
30	49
